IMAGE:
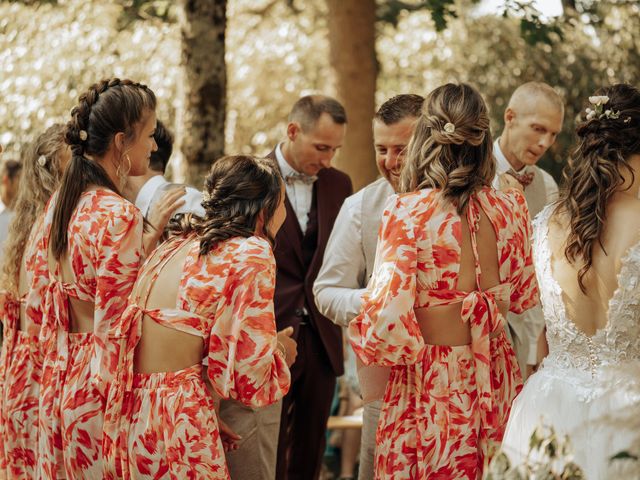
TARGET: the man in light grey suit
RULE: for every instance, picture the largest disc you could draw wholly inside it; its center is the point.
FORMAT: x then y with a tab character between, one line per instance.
533	119
350	253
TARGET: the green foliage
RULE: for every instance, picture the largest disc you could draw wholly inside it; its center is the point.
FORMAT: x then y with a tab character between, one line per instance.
549	458
276	54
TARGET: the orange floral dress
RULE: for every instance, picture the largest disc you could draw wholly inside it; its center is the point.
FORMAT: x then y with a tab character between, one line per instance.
445	407
104	251
20	369
163	425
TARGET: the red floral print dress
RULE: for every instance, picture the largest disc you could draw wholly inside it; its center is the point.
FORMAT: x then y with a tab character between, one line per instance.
165	423
20	368
104	251
445	407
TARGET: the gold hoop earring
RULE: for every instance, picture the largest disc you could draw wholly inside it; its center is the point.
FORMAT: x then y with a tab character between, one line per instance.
126	155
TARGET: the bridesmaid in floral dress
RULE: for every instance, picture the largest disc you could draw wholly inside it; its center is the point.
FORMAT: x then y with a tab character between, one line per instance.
43	162
453	256
91	245
207	293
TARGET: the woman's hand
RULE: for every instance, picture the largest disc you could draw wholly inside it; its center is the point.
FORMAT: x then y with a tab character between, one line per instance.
507	181
160	214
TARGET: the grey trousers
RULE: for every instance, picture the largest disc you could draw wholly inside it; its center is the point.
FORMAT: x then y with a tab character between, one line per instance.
370	417
255	459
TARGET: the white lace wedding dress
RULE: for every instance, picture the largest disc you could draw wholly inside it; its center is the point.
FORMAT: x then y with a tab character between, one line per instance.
587	387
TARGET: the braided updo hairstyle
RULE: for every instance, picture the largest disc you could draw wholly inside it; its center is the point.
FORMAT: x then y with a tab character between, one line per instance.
105	109
451	148
594	171
237	189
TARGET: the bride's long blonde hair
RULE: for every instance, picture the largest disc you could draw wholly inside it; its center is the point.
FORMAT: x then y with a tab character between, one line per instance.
451	148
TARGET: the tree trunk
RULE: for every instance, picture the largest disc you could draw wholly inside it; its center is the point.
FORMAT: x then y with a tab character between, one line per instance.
353	58
202	24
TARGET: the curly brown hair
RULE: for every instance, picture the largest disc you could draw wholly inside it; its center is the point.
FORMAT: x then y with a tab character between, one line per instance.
237	189
594	172
457	162
39	181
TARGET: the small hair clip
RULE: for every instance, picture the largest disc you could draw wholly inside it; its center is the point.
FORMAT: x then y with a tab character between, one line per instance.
627	120
83	135
449	127
42	160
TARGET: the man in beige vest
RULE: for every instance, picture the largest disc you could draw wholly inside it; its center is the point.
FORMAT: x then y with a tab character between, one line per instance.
350	253
533	120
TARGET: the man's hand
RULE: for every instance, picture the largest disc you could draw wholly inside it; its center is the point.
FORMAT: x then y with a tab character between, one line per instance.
288	345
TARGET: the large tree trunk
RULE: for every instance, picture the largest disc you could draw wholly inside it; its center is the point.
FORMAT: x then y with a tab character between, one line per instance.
202	24
353	57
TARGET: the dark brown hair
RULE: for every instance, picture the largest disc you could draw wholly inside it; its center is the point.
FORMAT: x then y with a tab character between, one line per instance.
457	162
399	107
11	168
42	166
237	189
307	110
594	171
107	108
164	141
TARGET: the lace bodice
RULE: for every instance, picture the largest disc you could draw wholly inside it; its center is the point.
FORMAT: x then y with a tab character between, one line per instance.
618	341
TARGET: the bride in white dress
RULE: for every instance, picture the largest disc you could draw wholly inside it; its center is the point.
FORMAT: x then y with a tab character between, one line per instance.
587	258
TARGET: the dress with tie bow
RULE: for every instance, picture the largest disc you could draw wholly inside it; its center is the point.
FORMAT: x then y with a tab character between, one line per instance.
445	407
104	251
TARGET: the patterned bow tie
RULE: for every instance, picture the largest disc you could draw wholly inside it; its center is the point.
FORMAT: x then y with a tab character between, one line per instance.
525	179
292	178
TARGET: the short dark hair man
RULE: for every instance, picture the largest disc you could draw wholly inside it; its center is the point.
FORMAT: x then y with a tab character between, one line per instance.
350	253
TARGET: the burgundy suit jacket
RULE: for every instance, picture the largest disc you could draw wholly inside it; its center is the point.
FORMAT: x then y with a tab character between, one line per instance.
294	282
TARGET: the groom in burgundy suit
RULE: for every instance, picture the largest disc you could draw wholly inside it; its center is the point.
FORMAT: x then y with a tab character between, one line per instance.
315	193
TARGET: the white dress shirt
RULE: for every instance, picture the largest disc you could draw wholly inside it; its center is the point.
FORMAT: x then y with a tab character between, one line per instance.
151	190
300	194
346	267
536	201
527	326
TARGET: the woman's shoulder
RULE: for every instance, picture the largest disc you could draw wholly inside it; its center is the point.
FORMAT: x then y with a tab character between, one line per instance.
252	248
108	202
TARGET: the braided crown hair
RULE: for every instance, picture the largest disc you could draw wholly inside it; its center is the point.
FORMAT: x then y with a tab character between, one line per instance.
105	109
451	148
237	189
594	172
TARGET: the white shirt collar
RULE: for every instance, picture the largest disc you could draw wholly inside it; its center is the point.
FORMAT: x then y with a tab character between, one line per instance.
285	168
502	164
145	195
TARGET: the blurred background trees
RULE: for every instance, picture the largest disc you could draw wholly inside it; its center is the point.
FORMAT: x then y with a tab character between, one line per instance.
227	71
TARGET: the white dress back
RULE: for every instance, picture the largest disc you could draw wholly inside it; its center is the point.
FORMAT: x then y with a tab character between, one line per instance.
588	387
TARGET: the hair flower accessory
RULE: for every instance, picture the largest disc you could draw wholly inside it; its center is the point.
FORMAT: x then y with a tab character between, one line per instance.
449	127
42	160
598	102
83	135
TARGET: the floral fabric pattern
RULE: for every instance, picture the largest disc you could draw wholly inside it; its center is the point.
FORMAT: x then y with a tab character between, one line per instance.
20	369
104	251
445	407
163	425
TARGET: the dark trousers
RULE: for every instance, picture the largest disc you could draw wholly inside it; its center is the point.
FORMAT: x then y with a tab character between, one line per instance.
305	410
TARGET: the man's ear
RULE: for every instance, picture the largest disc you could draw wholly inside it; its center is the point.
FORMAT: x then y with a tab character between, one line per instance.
293	130
509	116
